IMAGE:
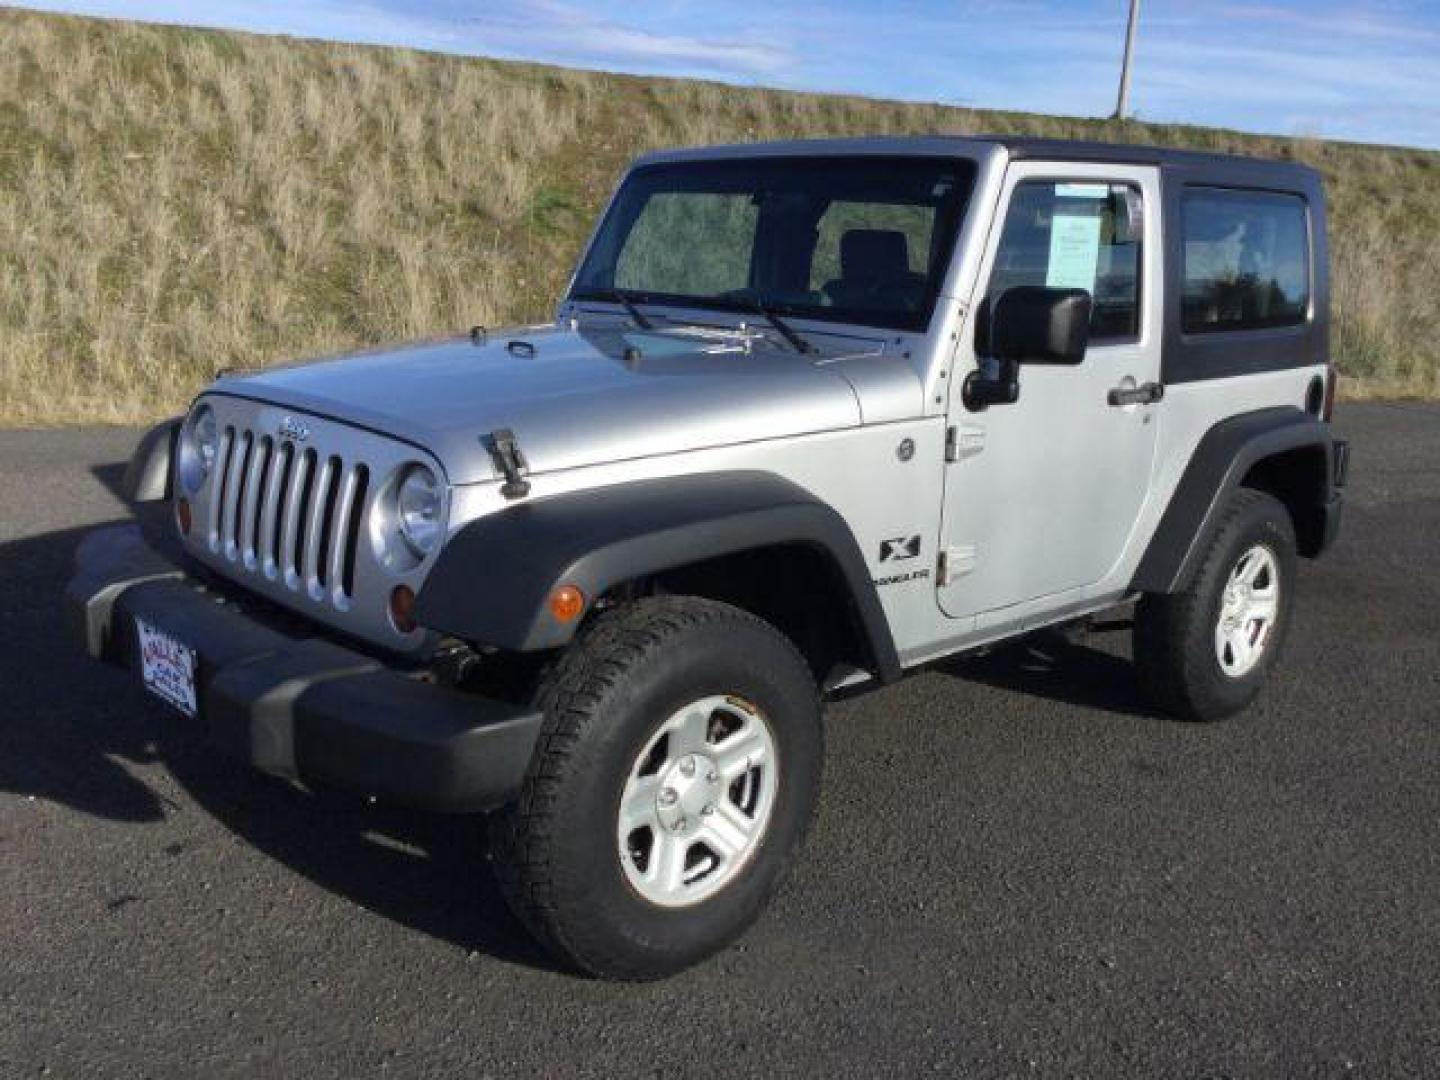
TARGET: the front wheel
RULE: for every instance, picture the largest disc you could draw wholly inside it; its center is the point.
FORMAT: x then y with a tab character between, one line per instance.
1203	654
673	781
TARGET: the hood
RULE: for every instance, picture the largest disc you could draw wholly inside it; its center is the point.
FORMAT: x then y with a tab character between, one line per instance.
572	397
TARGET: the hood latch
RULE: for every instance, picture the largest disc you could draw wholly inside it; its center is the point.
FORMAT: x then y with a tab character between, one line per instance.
505	452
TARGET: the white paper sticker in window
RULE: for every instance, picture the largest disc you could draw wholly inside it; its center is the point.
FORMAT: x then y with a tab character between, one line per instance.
1082	191
1074	250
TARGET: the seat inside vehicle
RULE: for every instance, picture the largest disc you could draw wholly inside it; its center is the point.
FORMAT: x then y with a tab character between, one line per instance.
875	272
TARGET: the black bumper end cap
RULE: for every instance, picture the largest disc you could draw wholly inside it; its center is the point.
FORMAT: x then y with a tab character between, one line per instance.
107	562
413	743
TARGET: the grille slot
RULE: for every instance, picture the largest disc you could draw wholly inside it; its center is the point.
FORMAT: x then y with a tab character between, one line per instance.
222	483
352	529
269	527
255	476
297	494
294	516
313	538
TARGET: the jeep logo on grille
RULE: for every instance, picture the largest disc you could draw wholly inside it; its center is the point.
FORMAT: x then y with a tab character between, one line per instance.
290	428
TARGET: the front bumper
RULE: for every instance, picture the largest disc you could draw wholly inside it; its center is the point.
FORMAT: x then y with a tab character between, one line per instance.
296	704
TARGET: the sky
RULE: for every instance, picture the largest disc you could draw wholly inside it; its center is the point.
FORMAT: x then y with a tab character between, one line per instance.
1367	70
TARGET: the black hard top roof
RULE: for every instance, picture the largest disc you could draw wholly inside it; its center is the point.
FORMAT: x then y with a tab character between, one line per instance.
1124	153
1018	147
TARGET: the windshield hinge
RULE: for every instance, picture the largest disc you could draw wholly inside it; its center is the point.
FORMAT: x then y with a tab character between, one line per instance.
505	452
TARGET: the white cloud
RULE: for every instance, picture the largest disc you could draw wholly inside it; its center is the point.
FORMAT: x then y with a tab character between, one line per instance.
553	28
539	30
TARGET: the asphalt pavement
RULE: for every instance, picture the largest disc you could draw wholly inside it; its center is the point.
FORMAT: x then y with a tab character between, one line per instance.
1017	869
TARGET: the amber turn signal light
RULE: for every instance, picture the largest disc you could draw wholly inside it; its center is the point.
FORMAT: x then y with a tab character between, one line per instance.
566	603
402	608
182	516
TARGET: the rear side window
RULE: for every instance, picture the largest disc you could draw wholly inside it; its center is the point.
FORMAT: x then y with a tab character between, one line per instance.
1247	260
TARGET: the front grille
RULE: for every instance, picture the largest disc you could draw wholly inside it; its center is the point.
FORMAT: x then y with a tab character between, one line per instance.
291	514
288	512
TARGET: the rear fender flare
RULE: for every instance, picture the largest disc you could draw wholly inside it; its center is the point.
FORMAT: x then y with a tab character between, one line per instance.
1223	458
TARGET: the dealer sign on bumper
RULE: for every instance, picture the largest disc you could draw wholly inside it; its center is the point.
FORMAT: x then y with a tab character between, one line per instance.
167	666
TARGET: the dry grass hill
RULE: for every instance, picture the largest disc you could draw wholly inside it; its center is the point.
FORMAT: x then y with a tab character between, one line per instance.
173	201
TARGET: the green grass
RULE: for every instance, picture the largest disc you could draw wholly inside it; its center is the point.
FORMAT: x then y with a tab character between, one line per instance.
174	201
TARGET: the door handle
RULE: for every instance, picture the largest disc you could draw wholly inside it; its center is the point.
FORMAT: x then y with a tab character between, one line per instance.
1144	394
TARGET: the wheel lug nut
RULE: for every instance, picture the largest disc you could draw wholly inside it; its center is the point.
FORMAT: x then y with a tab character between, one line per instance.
709	809
713	776
679	825
668	797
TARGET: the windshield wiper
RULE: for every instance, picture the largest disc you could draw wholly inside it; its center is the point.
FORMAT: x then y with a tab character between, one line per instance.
797	342
619	296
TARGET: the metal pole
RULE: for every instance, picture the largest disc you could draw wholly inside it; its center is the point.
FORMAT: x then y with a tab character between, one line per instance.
1122	101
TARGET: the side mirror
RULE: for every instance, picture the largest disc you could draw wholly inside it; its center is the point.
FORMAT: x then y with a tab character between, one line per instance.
1027	324
1035	325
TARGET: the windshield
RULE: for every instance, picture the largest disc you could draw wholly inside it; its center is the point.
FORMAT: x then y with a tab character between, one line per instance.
860	240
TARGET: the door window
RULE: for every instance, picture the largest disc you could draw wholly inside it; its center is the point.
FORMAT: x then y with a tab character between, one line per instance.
1075	235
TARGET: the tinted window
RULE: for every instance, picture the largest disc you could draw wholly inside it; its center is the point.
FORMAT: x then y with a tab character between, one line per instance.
1070	235
1247	261
862	240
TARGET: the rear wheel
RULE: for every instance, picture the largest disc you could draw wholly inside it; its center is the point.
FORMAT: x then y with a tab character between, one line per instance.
1203	654
674	779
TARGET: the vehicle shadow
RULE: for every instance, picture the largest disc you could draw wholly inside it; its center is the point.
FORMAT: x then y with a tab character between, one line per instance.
75	731
1061	666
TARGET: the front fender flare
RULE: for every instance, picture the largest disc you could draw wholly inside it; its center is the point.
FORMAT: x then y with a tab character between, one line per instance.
492	582
147	475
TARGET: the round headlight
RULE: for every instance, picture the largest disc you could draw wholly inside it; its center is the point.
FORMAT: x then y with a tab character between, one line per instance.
418	506
199	443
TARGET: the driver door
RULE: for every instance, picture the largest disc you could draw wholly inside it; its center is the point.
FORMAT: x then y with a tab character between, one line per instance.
1042	495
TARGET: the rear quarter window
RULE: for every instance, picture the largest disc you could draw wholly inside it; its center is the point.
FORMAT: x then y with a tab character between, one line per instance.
1246	260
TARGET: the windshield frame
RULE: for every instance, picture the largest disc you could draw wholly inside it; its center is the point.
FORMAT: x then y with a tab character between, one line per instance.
951	211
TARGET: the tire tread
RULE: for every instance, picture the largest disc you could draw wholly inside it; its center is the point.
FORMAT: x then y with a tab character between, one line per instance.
1171	665
522	835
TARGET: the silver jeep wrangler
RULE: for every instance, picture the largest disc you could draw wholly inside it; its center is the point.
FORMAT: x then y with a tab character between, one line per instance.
811	414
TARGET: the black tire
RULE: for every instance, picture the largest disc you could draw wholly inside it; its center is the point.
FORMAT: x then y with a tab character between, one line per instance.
1176	657
556	849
